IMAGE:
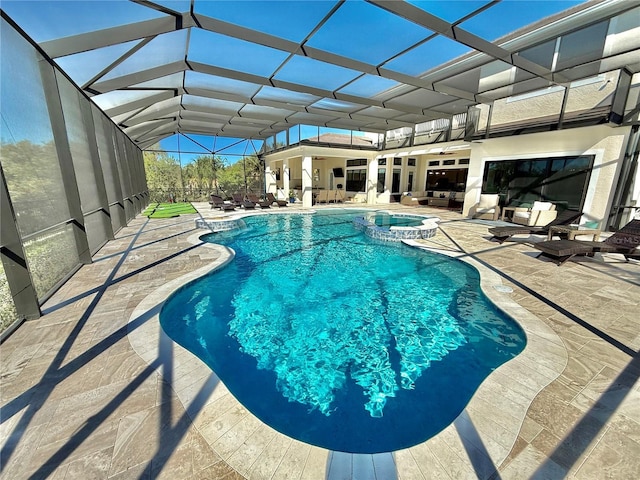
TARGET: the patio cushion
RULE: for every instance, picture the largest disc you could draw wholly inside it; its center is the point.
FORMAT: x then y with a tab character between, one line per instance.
487	203
561	248
543	206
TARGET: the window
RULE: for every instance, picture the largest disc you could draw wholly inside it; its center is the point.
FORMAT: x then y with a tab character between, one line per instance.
281	139
410	182
561	180
382	175
382	161
395	181
270	143
434	163
451	179
357	162
356	180
397	161
448	162
463	161
411	162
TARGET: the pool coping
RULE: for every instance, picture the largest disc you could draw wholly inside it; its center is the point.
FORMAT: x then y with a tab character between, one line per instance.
393	233
475	443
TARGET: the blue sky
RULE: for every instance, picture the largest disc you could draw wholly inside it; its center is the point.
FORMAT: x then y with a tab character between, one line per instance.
191	146
373	38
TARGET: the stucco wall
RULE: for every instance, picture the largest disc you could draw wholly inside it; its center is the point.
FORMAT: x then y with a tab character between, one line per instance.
606	143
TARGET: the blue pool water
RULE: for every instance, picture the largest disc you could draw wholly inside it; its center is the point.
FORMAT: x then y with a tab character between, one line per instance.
382	219
339	340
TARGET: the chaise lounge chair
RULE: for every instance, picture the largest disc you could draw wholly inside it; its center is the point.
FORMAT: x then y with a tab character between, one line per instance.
217	202
252	197
500	234
271	198
625	241
240	201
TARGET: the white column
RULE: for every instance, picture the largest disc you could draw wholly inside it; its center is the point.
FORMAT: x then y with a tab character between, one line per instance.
286	177
475	176
307	182
372	181
272	184
269	180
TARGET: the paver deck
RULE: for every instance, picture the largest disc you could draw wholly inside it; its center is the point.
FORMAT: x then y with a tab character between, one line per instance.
94	389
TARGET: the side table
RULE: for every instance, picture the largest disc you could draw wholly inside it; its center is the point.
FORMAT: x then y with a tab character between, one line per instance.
512	210
507	209
572	231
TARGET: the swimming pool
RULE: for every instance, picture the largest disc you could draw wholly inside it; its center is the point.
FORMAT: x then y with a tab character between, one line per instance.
339	340
384	219
382	225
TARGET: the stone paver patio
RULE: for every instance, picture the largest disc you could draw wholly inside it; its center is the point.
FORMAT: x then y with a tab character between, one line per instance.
94	389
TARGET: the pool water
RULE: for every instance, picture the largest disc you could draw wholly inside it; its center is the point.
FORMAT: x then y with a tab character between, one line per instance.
339	340
382	219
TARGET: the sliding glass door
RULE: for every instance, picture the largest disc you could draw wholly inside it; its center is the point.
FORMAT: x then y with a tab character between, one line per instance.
561	180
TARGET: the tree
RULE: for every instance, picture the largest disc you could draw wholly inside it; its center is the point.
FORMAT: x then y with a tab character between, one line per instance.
35	184
254	171
163	175
231	179
201	175
243	176
204	175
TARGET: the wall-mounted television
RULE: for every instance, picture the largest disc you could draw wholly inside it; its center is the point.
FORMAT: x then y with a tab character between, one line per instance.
338	172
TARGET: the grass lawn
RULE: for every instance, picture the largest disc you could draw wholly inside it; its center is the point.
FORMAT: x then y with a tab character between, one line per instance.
168	210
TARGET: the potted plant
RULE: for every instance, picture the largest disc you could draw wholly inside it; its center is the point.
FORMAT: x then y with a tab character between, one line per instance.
292	196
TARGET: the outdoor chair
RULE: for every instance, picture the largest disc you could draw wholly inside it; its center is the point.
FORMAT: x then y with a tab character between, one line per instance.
541	213
323	196
273	199
237	199
625	241
566	217
217	202
339	196
247	204
252	197
240	200
334	196
487	208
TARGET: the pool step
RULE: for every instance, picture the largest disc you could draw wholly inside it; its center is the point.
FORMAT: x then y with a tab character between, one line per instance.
354	466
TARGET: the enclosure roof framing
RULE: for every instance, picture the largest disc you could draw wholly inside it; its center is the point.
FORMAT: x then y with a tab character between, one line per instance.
253	69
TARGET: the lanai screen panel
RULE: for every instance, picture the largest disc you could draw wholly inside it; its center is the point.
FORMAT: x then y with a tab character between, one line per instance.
55	190
364	65
82	143
29	156
31	165
106	151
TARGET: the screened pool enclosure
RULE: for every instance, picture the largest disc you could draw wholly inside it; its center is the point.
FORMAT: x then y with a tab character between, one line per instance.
87	86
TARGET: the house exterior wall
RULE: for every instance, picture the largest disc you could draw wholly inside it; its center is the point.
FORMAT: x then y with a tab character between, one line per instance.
606	143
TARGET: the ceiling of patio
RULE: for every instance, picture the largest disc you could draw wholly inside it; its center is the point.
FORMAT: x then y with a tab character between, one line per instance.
250	69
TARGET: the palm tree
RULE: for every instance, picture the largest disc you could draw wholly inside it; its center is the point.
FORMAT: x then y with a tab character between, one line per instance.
202	174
